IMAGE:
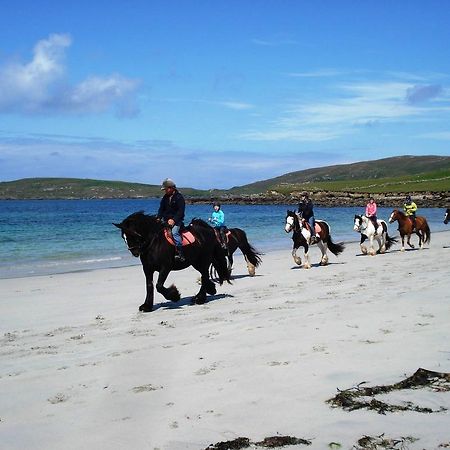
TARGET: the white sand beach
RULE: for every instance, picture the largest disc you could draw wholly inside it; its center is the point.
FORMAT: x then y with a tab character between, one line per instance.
82	368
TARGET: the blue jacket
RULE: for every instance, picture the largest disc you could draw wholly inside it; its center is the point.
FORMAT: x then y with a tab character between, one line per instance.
218	218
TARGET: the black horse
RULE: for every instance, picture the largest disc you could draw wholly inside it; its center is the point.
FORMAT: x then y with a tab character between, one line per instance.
447	216
237	239
145	237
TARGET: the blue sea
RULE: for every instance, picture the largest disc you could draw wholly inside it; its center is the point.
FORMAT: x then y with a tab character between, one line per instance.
40	237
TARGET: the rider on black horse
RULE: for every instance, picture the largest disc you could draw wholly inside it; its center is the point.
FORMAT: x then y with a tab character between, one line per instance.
218	222
171	210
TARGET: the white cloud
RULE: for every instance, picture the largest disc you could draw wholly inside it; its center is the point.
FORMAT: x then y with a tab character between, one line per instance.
40	86
237	105
354	105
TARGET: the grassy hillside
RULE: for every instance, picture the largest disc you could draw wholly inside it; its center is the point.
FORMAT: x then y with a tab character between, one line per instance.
390	175
398	174
54	188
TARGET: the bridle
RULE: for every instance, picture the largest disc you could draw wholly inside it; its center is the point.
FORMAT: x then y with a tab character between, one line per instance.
296	226
142	242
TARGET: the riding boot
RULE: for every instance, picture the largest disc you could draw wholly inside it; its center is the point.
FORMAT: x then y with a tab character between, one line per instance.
223	241
179	256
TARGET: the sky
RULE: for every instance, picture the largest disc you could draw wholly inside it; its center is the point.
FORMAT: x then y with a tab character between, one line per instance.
216	94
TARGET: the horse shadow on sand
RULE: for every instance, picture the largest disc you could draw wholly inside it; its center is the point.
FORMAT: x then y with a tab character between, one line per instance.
245	275
188	301
317	265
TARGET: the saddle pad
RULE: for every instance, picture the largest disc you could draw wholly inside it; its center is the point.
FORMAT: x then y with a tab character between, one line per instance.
188	237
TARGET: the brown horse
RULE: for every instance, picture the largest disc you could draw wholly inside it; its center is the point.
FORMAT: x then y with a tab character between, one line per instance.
406	228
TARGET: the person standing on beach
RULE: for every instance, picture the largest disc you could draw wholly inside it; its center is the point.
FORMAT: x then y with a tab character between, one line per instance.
217	220
371	212
306	211
410	209
171	210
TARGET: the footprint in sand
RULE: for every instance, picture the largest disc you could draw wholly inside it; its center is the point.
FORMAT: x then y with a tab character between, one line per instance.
146	388
58	398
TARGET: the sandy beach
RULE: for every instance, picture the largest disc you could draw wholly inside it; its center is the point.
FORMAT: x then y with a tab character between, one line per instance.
82	368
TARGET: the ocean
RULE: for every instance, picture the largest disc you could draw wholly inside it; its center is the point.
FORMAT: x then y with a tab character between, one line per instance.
41	237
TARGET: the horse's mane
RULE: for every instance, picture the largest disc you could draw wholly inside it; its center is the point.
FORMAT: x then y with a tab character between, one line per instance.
199	222
140	218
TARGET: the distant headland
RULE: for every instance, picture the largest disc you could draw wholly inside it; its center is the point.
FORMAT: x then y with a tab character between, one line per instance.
388	180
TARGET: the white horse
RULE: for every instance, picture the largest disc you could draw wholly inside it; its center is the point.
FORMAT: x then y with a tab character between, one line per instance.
302	238
363	225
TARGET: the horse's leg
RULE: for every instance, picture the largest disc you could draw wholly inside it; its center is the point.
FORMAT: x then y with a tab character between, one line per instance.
297	258
403	243
307	264
230	261
382	242
207	286
147	306
323	248
421	239
170	293
361	246
408	241
250	267
371	247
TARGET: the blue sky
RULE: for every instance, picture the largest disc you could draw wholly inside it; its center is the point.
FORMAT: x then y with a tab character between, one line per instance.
217	94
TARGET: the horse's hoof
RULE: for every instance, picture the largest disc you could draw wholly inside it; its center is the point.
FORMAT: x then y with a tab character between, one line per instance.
211	290
145	308
199	300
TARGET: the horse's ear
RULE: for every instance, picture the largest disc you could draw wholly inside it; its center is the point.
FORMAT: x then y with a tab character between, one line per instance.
118	225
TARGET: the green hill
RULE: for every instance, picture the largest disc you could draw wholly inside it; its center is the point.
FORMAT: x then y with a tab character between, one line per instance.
397	174
72	188
390	175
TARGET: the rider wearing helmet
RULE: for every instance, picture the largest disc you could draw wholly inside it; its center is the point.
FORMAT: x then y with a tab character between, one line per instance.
410	209
171	210
305	210
218	222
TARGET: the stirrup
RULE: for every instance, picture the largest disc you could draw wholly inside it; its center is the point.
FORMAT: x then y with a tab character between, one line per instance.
179	256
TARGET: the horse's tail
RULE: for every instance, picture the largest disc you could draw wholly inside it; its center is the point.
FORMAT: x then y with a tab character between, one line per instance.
390	241
250	253
220	264
335	247
426	232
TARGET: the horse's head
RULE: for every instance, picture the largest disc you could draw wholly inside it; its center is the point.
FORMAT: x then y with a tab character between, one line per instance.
136	229
357	222
394	216
447	216
291	221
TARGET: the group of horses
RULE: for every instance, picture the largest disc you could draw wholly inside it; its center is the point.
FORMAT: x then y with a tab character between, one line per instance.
146	238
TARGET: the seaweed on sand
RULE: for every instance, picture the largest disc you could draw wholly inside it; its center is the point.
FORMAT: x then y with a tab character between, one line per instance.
351	399
268	442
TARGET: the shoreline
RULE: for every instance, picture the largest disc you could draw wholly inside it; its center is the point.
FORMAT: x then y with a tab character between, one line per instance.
259	359
136	262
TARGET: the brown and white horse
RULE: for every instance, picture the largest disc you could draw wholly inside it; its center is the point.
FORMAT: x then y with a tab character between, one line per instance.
406	228
302	238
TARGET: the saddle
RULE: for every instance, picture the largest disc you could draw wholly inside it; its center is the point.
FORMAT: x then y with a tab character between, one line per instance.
317	228
188	237
227	236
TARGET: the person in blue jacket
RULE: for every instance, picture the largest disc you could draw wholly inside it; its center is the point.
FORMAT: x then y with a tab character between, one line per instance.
217	220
